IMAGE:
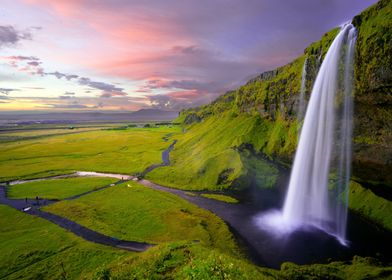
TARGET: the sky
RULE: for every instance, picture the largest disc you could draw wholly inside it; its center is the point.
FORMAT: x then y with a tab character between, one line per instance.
78	55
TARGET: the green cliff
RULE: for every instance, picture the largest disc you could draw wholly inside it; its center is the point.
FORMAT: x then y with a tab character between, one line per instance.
247	135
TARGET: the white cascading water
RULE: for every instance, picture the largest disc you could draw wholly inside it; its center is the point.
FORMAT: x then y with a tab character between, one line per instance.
345	136
325	141
301	103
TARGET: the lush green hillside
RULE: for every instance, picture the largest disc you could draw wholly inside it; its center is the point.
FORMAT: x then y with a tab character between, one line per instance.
131	211
210	155
192	261
244	135
32	248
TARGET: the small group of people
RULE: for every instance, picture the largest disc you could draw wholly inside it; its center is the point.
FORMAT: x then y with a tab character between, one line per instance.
37	199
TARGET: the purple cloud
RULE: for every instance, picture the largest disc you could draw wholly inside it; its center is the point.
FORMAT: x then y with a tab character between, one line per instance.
60	75
10	36
7	91
108	90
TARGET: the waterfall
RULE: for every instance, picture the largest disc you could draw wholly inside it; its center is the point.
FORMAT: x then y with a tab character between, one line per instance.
301	103
344	156
318	187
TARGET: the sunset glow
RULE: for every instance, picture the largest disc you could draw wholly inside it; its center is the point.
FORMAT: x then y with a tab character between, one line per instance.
127	55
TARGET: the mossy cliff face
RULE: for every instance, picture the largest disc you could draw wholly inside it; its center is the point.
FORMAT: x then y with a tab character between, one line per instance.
243	130
272	97
373	94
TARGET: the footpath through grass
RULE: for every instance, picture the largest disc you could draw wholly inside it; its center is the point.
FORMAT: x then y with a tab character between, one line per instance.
125	151
32	248
131	211
58	188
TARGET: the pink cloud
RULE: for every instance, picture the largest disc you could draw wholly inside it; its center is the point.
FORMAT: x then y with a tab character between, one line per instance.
188	49
186	94
135	42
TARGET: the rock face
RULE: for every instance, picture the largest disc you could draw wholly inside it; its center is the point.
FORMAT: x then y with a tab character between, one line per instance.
373	94
273	97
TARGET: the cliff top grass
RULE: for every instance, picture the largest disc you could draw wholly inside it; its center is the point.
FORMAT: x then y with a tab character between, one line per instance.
131	211
57	188
220	197
126	151
37	249
207	156
184	260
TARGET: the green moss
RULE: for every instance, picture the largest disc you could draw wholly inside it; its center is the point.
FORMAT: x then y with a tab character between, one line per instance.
193	261
373	87
259	171
220	197
186	261
358	268
369	205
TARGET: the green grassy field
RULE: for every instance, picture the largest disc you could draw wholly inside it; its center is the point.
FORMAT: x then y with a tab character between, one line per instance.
32	248
42	132
192	242
120	151
207	156
58	188
131	211
34	131
220	197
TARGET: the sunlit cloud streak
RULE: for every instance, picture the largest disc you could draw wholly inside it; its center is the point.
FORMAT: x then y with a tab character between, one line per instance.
172	54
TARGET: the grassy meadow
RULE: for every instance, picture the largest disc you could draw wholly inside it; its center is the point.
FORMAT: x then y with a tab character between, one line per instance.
208	156
191	243
34	131
19	135
126	151
220	197
33	248
57	188
131	211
